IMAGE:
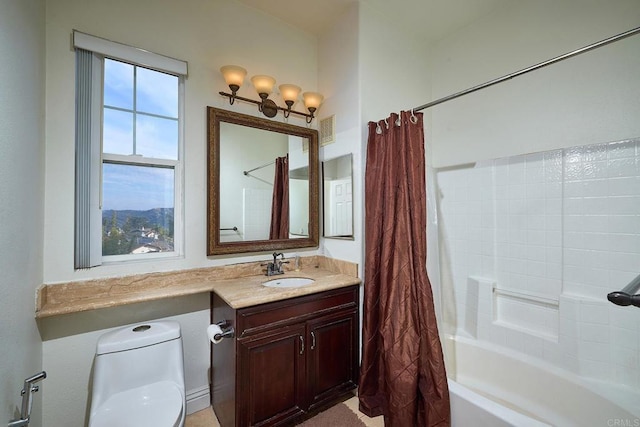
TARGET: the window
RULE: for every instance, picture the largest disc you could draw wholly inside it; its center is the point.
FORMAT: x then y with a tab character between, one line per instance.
129	124
140	147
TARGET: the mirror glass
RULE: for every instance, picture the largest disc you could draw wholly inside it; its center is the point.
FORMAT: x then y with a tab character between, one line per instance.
263	186
337	183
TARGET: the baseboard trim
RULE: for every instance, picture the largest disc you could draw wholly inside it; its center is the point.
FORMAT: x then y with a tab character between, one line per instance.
198	399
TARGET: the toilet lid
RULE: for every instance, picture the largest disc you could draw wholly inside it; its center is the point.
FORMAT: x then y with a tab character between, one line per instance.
154	405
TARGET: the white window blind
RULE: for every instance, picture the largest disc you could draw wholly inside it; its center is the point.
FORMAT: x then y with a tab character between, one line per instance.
88	221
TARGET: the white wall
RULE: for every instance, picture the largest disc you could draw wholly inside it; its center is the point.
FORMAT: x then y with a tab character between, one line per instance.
587	99
394	68
21	196
367	69
338	75
207	35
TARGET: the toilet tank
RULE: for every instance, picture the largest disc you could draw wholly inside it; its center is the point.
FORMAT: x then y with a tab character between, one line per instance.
137	355
137	336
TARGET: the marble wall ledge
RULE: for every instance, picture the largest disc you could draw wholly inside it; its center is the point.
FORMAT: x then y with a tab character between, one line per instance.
238	284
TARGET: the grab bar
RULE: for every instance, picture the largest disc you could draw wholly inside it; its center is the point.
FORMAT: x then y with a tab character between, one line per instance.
626	296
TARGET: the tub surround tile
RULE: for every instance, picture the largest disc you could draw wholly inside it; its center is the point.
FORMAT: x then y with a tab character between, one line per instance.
563	225
239	284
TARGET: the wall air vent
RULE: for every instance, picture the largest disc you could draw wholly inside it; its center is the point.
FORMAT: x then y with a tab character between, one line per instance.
327	130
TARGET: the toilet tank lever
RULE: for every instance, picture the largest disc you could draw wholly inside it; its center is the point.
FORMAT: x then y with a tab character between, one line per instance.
27	399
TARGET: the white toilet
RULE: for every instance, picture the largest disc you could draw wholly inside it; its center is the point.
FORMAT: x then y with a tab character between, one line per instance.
138	377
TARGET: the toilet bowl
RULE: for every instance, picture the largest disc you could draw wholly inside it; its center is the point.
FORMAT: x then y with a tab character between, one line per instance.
138	377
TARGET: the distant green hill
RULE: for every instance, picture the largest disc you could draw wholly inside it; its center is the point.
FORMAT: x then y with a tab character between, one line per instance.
152	218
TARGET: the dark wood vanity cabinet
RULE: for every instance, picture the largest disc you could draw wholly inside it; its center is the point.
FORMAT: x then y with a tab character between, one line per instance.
271	378
288	358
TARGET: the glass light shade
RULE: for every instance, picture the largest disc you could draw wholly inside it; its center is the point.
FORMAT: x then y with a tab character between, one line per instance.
263	84
289	92
233	74
312	100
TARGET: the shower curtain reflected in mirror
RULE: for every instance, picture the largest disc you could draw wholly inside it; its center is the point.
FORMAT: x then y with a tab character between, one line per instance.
402	375
280	201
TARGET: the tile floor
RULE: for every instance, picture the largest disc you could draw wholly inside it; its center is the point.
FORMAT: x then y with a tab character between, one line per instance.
206	417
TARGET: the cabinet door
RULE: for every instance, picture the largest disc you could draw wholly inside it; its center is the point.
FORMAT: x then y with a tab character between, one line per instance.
333	356
271	377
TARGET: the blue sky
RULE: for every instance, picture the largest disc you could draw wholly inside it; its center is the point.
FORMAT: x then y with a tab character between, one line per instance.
137	187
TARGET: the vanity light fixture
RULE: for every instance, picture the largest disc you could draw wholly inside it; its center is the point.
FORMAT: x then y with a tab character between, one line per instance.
264	87
234	77
312	101
290	95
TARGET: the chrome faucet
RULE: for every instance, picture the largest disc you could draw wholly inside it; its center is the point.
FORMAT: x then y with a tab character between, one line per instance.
275	267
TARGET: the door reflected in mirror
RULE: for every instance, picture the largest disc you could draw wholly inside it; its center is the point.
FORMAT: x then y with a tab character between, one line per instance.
337	182
299	202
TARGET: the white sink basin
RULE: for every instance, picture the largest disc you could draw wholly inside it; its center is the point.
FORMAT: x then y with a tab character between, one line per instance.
288	282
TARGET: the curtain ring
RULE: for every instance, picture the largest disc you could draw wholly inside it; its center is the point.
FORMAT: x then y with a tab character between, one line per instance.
398	120
413	119
386	123
378	128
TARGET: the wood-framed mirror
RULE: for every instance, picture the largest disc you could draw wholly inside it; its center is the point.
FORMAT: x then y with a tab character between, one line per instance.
253	163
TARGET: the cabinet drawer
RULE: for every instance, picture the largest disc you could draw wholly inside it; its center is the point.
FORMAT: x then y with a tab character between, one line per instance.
258	318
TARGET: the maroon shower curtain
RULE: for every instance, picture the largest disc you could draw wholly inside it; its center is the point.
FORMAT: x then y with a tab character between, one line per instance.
402	375
280	200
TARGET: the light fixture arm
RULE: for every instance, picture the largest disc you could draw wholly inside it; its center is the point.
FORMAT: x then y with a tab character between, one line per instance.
268	104
310	115
287	111
234	91
263	97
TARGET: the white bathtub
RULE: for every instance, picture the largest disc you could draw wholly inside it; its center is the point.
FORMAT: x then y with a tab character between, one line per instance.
494	388
468	408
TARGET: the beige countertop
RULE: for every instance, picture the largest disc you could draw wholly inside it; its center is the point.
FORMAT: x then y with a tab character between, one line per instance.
240	285
249	291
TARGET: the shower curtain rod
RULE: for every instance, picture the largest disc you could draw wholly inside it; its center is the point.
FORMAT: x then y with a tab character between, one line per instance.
259	167
531	68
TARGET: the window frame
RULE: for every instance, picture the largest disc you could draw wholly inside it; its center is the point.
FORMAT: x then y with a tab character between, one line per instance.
102	49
